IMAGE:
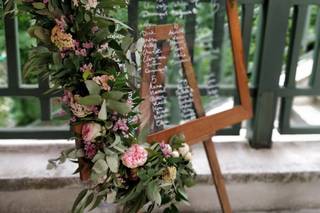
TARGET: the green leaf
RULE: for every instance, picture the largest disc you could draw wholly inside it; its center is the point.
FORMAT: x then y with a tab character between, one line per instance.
98	156
117	141
100	166
142	137
39	5
115	95
96	201
126	41
119	107
51	165
89	199
80	197
182	194
90	100
87	17
113	163
153	192
93	87
103	111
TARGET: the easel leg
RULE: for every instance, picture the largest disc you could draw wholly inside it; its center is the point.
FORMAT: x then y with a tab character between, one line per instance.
217	175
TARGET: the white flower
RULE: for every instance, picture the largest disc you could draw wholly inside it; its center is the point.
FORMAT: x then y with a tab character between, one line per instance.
175	154
188	156
184	149
91	4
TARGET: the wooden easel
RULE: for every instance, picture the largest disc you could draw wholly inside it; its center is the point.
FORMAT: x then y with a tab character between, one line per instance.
203	128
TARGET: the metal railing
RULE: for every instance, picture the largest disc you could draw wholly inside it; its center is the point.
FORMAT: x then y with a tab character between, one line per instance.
273	36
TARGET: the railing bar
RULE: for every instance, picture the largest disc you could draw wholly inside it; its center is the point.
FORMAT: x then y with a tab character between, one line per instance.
285	113
296	35
299	20
27	92
217	40
284	92
302	130
247	22
133	15
190	28
304	2
45	106
258	43
315	76
12	48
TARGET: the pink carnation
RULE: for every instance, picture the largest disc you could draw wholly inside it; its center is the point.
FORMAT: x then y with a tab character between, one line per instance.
135	156
166	149
121	124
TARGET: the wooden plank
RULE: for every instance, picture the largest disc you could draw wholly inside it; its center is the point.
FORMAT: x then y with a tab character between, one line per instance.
190	138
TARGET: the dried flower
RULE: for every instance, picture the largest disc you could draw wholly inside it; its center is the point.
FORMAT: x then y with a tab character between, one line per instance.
61	39
135	156
169	174
103	81
78	109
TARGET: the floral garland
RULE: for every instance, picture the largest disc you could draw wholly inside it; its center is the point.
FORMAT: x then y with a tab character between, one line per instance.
87	53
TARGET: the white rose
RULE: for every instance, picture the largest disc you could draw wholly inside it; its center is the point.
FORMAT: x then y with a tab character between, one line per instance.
184	149
188	156
175	154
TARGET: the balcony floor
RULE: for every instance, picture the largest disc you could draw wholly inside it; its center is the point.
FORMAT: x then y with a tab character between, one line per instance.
283	179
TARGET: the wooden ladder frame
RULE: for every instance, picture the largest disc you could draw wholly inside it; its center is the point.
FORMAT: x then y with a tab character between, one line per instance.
204	127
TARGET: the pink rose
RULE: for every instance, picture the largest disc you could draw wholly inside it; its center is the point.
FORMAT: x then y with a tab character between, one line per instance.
90	131
135	156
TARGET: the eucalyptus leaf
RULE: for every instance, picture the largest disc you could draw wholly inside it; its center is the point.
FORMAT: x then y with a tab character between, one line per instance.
118	106
90	100
113	163
100	166
93	87
103	111
115	95
117	141
98	156
81	195
153	192
142	137
39	5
